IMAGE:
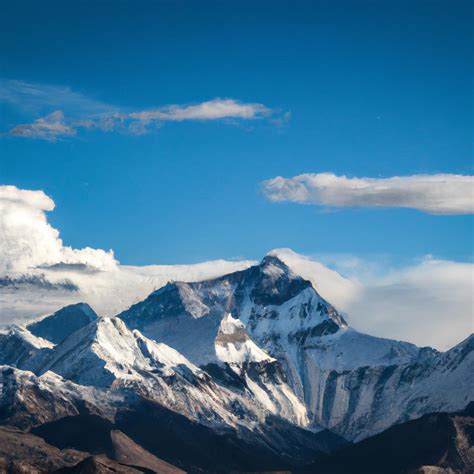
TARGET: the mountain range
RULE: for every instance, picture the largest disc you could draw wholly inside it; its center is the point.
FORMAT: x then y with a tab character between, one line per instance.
253	370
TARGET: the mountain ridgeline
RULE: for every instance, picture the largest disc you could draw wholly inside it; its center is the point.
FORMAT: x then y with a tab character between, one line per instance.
249	371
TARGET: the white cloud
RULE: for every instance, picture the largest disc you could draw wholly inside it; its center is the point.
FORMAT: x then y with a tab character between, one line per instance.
75	112
427	302
29	241
50	128
434	194
215	109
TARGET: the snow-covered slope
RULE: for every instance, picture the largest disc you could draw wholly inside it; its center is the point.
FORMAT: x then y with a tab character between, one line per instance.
18	346
106	354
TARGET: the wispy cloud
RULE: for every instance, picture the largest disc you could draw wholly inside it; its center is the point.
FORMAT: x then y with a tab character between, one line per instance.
67	112
434	194
43	99
50	128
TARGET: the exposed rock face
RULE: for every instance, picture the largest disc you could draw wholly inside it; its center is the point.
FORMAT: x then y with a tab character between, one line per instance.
234	346
106	358
381	396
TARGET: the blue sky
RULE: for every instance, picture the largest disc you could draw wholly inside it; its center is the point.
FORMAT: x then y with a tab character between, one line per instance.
361	89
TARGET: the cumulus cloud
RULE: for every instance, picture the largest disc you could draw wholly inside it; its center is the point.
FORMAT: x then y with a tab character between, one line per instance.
75	111
51	128
428	302
29	241
434	194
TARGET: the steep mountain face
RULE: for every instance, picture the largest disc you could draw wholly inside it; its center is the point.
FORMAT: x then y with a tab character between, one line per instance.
434	443
280	310
180	314
107	354
234	346
242	362
352	383
368	400
63	323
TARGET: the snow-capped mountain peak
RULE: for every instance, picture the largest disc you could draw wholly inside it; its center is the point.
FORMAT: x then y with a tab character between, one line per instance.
268	298
274	267
107	352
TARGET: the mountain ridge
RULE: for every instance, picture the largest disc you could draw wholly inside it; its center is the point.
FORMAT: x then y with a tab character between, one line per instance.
255	357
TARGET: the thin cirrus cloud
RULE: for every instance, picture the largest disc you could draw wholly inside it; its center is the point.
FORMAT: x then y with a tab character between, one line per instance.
433	194
31	98
61	112
50	127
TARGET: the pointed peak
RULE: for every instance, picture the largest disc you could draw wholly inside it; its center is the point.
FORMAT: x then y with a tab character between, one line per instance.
273	266
58	326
